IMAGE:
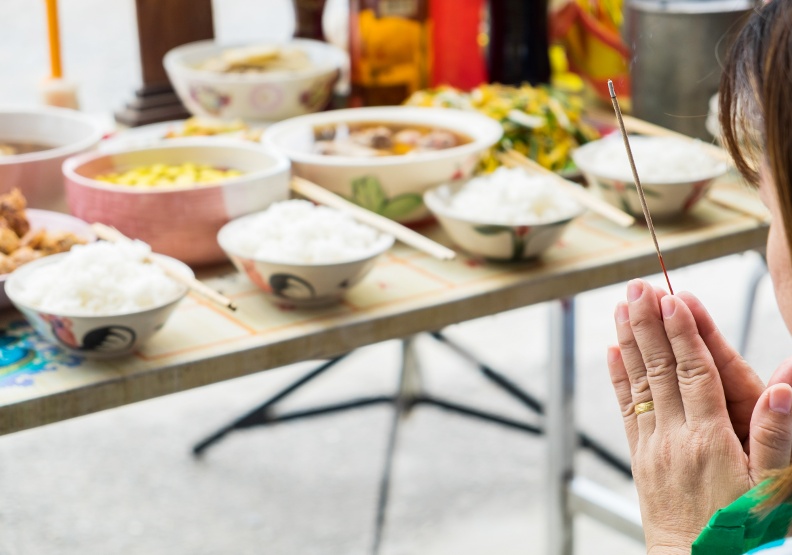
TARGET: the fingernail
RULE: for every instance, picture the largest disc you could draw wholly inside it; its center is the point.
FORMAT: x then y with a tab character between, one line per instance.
622	313
781	400
634	290
613	354
668	306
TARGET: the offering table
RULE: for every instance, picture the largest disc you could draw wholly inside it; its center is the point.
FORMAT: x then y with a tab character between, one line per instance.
406	294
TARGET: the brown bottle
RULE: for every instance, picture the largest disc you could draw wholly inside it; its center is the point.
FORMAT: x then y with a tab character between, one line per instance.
390	50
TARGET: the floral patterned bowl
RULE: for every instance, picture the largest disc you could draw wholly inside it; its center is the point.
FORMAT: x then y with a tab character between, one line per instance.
665	199
266	97
302	285
494	241
388	185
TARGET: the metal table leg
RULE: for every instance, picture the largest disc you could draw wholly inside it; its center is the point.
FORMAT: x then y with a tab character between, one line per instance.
560	425
409	391
570	495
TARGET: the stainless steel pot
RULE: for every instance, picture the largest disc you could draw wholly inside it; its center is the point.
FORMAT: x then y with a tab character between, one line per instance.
678	47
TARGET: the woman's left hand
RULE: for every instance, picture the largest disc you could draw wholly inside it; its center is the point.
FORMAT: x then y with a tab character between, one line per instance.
687	459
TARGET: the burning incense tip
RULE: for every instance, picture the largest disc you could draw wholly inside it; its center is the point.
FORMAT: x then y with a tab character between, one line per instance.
611	89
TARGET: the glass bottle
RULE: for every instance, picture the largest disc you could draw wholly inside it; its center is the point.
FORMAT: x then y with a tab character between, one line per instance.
390	50
518	42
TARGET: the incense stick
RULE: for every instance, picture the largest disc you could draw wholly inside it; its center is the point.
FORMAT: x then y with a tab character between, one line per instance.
638	186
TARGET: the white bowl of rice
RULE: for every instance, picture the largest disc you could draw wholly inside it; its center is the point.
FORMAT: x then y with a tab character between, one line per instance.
99	300
301	254
675	173
506	215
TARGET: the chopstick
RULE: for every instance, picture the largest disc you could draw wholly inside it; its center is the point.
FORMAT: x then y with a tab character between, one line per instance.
726	201
595	204
641	127
112	235
318	194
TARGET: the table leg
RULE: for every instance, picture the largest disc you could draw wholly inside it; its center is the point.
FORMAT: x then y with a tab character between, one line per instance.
409	392
560	425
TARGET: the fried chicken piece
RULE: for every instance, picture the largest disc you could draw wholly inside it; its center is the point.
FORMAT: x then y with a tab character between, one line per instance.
7	264
33	239
24	255
12	210
53	243
9	241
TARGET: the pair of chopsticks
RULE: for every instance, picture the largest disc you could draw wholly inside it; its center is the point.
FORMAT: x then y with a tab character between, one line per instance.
112	235
512	158
317	194
320	195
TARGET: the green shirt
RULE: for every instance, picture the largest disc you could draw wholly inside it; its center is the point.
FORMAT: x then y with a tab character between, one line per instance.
736	529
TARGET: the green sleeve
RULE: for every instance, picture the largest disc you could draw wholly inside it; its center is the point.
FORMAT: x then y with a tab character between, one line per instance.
735	529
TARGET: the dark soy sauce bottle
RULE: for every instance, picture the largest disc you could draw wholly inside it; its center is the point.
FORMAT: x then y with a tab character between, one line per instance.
518	42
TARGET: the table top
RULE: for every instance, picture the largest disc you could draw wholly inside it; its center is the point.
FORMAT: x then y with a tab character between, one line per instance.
407	292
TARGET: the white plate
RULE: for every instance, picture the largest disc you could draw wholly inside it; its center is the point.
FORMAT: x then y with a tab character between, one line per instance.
154	133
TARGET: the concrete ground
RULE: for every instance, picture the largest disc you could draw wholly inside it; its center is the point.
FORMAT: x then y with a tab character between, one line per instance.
124	482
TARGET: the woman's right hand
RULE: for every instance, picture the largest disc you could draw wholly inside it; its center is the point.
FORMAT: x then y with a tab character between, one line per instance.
742	387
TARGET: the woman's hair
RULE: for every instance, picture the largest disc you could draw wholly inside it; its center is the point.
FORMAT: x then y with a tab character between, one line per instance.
756	125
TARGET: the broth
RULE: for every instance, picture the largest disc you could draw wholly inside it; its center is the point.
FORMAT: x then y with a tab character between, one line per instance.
8	148
369	139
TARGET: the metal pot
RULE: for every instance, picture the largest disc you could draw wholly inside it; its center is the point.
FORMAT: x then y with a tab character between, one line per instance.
678	47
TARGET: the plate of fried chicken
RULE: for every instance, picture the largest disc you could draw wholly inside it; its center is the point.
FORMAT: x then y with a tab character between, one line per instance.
27	234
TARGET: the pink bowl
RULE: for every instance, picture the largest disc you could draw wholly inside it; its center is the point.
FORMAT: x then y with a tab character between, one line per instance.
51	221
177	222
38	174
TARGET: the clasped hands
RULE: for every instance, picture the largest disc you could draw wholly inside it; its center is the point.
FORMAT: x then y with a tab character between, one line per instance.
715	430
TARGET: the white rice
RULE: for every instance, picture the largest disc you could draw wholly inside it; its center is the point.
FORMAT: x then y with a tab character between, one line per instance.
297	231
98	279
510	196
657	159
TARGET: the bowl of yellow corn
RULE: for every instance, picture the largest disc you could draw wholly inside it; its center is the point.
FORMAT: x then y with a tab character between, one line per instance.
176	196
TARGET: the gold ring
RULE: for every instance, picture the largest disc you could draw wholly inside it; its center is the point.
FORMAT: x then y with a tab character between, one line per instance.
641	408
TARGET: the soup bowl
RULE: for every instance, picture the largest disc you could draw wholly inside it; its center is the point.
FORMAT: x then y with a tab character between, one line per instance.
178	222
390	185
265	96
38	174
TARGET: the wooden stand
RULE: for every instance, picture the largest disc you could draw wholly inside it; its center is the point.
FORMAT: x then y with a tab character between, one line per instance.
163	25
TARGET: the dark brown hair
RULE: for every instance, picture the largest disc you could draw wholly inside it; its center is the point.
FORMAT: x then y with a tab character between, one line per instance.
756	125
